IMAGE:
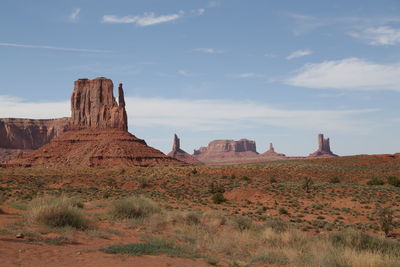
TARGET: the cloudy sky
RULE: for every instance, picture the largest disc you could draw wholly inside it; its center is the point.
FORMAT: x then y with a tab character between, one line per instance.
267	70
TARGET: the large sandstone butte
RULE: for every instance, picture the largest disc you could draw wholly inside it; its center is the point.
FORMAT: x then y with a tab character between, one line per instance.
324	148
227	152
98	136
19	136
93	105
182	155
271	153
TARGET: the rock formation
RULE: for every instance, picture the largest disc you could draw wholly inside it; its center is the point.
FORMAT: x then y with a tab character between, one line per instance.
270	153
98	135
19	136
181	155
324	148
93	105
227	151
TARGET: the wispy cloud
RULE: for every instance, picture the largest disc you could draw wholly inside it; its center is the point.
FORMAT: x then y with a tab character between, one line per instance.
74	16
383	35
204	115
54	48
147	19
348	74
299	53
208	50
246	75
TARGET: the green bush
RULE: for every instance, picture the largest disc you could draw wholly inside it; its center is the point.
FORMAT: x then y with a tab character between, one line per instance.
56	212
283	211
218	198
334	180
135	207
393	181
375	181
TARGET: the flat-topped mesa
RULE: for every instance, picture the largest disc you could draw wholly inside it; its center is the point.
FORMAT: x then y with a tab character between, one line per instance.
221	146
93	105
324	148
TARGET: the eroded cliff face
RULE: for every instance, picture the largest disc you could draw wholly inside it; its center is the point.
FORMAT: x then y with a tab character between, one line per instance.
271	153
93	105
29	133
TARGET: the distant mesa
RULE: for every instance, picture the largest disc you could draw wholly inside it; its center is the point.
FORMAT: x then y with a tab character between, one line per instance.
227	152
324	148
20	136
271	153
181	155
98	135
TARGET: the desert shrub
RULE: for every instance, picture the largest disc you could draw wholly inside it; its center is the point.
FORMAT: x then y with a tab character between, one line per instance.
193	218
56	212
216	188
393	181
245	178
272	257
272	180
385	217
134	207
241	223
334	180
194	171
375	181
283	211
307	184
143	182
218	198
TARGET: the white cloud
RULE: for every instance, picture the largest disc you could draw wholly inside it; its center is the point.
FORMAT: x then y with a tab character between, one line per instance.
299	53
383	35
54	48
74	16
203	115
147	19
208	50
350	74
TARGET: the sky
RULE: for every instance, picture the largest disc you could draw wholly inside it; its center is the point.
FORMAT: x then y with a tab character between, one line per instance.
266	70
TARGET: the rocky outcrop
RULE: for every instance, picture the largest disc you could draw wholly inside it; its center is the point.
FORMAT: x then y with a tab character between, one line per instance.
324	148
20	136
270	153
182	155
227	151
29	133
98	136
93	105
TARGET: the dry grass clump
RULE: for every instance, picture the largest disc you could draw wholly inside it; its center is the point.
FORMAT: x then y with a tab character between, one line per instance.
239	241
56	212
134	208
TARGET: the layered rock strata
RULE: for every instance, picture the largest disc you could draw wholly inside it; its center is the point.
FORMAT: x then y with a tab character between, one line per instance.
182	155
19	136
227	152
98	135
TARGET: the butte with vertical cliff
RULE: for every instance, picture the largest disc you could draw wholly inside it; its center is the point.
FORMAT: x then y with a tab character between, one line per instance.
98	135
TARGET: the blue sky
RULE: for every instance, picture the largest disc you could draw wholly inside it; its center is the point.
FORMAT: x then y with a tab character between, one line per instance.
270	71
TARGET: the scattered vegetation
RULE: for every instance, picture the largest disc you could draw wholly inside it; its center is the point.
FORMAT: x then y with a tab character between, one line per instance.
375	181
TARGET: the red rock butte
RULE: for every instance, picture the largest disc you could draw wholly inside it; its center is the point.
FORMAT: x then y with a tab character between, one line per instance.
324	148
182	155
98	135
